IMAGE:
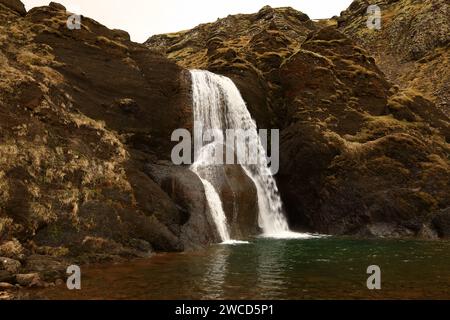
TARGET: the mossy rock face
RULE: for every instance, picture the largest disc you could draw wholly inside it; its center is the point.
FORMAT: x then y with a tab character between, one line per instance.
82	113
358	155
15	5
412	46
243	47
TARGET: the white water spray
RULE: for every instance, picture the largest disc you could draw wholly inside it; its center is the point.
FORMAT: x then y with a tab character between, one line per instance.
217	210
218	105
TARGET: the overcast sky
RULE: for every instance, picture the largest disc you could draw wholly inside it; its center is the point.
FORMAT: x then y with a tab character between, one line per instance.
143	18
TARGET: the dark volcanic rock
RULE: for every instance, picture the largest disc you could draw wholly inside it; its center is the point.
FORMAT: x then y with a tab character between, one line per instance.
47	267
240	200
237	191
358	155
81	113
442	223
193	223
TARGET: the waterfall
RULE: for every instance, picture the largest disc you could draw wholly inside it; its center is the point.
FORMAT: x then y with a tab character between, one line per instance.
216	208
218	105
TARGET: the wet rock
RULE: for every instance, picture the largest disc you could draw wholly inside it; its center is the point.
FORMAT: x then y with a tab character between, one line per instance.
6	276
442	223
6	286
244	199
239	200
428	232
237	191
10	265
96	244
48	267
387	230
29	280
187	191
105	249
141	245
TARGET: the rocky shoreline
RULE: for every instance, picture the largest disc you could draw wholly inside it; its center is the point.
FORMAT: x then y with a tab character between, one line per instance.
22	269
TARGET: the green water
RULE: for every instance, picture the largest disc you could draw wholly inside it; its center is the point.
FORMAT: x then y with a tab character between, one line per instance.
325	268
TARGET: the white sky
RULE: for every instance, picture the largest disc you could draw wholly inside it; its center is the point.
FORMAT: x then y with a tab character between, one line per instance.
143	18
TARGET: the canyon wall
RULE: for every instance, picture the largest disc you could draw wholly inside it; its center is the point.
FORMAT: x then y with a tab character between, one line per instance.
359	154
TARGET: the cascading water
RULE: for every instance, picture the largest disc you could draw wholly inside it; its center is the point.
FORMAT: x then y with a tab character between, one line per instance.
218	106
216	208
206	173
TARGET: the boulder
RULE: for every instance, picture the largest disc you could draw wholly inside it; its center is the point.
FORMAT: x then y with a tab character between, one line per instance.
47	267
6	286
239	200
12	249
237	192
10	265
187	192
29	280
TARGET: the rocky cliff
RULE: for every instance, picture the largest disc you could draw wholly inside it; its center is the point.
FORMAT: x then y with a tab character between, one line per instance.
86	118
412	46
359	155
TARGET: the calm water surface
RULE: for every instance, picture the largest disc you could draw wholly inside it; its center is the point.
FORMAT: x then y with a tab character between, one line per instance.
324	268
